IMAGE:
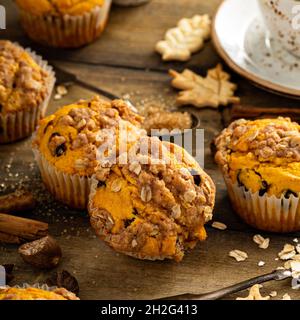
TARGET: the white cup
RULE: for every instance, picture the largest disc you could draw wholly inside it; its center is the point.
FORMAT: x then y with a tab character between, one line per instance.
282	19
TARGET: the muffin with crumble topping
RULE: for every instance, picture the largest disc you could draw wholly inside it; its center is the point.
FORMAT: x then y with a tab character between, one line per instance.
64	23
26	84
35	293
154	205
260	161
69	143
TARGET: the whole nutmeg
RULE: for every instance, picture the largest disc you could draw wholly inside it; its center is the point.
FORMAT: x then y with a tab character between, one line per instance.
44	253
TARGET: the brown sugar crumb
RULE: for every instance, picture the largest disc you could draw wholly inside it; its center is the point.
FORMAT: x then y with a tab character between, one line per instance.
157	118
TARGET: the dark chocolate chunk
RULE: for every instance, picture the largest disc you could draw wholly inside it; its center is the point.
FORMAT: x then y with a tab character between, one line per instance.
64	279
101	184
60	150
289	192
128	222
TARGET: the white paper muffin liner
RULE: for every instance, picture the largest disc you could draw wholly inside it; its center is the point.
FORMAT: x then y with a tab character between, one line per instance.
21	124
66	31
73	190
267	213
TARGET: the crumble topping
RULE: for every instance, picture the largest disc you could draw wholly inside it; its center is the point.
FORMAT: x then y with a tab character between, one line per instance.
23	84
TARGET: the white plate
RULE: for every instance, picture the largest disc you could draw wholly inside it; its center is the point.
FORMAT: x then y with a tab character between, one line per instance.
239	36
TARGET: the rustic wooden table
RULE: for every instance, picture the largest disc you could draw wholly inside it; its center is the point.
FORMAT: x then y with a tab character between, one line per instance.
123	61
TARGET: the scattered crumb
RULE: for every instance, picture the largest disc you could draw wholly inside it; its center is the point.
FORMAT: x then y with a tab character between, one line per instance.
57	97
286	296
219	225
261	263
273	294
61	90
295	240
254	294
238	255
262	242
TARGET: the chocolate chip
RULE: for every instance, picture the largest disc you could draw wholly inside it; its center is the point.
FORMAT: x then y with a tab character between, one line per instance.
289	192
128	222
101	184
264	188
196	177
60	150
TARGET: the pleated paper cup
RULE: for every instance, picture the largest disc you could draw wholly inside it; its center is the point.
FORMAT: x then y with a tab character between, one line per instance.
267	213
64	292
21	124
66	31
71	189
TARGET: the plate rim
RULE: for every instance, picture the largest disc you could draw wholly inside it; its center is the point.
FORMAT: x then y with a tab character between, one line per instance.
265	84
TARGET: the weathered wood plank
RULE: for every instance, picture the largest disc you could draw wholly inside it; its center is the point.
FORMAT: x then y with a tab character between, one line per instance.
124	42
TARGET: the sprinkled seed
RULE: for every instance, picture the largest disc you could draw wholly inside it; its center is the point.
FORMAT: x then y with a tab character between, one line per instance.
135	167
262	242
295	141
134	243
261	263
146	193
238	255
116	185
176	211
286	296
273	294
80	164
81	124
189	196
57	97
219	225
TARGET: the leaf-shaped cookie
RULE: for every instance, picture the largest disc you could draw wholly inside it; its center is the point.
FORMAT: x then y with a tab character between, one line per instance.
187	38
213	90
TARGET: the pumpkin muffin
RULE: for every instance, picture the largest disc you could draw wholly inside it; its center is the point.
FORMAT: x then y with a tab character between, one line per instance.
32	293
26	84
64	23
260	161
70	143
154	206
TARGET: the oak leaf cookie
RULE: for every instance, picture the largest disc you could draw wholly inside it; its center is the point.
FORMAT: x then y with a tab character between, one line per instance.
213	90
187	38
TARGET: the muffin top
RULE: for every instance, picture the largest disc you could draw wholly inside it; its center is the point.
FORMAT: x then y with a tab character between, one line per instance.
76	136
8	293
23	83
155	206
262	155
58	7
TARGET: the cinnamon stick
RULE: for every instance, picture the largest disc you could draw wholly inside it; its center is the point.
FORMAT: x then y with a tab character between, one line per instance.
13	229
8	238
247	112
18	201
